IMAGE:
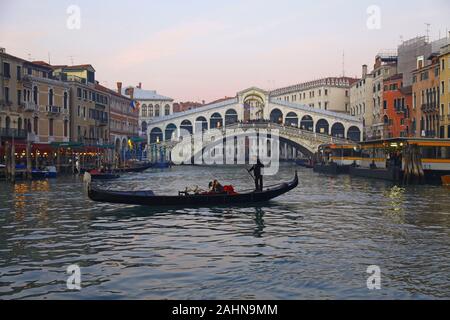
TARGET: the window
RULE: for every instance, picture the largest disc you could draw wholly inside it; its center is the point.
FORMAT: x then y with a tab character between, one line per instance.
36	125
50	97
6	70
79	111
442	87
85	94
6	94
65	100
66	127
79	92
167	110
50	127
385	104
19	96
157	111
19	73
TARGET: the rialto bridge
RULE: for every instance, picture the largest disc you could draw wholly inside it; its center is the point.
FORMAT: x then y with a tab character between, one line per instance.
303	127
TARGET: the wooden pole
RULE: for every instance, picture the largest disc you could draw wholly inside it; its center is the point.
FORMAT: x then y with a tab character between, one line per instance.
13	163
29	165
7	161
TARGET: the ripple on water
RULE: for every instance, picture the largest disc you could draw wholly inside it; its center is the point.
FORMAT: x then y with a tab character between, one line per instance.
315	242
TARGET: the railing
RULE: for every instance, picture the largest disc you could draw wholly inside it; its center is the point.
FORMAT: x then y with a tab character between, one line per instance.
430	107
53	109
13	133
30	106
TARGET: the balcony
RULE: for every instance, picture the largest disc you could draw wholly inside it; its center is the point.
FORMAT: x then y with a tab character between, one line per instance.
13	133
53	110
29	106
430	108
101	122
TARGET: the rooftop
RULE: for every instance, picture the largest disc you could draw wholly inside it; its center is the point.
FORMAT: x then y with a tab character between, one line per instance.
141	94
344	82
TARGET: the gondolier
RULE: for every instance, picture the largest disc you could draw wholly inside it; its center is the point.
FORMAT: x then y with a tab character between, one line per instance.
258	176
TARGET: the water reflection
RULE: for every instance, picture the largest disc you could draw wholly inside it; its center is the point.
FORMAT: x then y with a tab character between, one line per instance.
315	242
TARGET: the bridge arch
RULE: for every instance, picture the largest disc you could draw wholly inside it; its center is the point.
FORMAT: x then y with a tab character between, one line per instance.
156	135
231	117
323	127
169	132
354	133
202	123
307	123
291	119
276	116
186	125
216	121
338	130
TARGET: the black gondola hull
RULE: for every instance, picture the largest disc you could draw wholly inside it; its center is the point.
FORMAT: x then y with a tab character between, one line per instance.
209	200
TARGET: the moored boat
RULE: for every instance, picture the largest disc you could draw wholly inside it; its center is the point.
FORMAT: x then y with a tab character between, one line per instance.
138	168
148	198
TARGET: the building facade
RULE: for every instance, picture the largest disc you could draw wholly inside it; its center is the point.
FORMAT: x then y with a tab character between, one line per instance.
13	118
123	119
48	99
385	66
331	94
361	105
444	61
151	104
426	99
89	106
397	102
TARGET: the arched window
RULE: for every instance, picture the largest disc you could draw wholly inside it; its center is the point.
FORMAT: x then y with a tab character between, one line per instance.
216	121
50	97
35	95
144	126
322	126
144	111
276	116
231	117
150	111
157	111
292	119
167	110
156	135
186	125
338	130
36	125
307	123
65	100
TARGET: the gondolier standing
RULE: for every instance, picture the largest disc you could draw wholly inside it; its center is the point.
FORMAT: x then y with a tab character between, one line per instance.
258	176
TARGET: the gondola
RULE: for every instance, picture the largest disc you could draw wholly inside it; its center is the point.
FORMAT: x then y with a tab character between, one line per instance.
104	176
148	198
140	168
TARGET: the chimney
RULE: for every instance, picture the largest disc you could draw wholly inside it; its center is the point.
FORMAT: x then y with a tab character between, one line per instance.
140	85
364	71
119	87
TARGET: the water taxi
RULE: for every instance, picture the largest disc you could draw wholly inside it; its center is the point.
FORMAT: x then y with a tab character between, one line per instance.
337	158
405	160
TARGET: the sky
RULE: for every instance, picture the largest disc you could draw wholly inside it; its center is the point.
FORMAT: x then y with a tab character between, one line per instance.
194	50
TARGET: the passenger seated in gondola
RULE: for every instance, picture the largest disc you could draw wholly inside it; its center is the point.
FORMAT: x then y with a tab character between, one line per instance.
217	187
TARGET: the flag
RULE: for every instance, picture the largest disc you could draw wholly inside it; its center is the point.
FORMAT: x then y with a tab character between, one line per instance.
134	104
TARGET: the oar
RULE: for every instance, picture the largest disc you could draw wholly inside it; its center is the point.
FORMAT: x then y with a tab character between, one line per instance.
248	170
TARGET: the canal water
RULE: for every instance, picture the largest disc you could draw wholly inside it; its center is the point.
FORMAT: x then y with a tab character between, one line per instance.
315	242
